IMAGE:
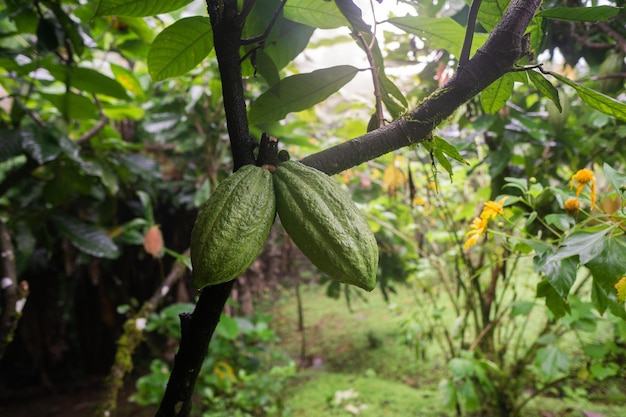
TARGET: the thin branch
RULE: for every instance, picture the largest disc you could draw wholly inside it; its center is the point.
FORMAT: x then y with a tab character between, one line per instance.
621	42
469	32
263	36
367	47
94	130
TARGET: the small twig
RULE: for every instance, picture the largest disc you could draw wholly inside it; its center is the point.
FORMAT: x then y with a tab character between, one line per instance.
94	130
621	42
469	32
375	80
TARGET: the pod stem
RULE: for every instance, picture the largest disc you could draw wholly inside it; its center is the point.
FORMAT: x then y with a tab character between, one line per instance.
268	150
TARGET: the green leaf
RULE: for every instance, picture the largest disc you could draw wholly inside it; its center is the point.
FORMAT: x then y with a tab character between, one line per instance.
491	11
552	361
267	68
128	81
617	179
87	80
580	14
354	15
315	13
562	222
545	87
438	33
87	237
11	142
494	97
138	8
598	101
586	245
560	273
299	92
555	303
227	327
70	27
146	203
604	299
448	149
610	264
180	47
73	106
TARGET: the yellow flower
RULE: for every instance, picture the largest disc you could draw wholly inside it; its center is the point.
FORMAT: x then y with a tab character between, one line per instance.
583	177
621	289
471	242
572	205
492	209
479	224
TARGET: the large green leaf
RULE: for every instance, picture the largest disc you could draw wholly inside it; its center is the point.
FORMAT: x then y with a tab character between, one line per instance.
560	273
138	8
438	33
586	245
87	80
578	14
494	97
315	13
299	92
73	106
610	264
87	237
180	47
598	101
491	11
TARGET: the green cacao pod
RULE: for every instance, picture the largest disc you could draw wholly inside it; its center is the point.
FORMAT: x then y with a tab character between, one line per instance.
325	224
611	65
232	226
558	118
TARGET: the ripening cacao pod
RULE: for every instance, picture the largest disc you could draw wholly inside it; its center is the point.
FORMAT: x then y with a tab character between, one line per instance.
325	224
232	226
153	241
612	65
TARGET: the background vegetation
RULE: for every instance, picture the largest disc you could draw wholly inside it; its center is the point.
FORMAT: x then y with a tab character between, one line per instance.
500	286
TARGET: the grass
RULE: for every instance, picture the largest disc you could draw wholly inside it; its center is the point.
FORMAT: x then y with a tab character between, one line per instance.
361	354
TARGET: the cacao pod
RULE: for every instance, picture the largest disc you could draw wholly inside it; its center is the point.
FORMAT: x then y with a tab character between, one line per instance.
153	241
611	65
558	118
325	224
232	226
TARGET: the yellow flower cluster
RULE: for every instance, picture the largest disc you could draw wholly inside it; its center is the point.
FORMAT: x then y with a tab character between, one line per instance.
479	224
583	177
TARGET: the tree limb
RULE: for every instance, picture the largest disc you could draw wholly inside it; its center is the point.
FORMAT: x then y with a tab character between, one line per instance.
505	45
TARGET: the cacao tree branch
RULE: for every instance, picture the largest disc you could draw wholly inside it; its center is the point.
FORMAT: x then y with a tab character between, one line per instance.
469	32
505	45
198	327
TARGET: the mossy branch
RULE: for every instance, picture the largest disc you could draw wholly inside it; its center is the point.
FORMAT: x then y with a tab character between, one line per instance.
131	337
